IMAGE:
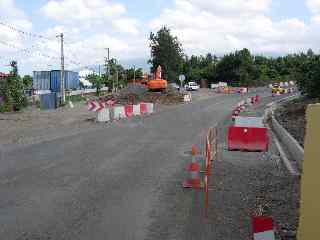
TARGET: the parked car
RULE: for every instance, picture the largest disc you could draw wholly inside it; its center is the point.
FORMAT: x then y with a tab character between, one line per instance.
192	86
174	86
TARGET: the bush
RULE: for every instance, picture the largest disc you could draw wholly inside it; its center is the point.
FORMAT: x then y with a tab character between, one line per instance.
12	93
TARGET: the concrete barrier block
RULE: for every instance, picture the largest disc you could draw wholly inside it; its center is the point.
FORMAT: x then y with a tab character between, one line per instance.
136	110
119	112
103	115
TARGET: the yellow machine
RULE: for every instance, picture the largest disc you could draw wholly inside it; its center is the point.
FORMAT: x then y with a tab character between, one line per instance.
277	89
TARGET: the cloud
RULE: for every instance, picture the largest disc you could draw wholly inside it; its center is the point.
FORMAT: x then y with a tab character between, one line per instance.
224	26
93	26
314	6
70	10
229	7
17	19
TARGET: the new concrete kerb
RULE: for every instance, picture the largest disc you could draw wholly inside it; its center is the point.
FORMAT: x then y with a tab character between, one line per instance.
292	145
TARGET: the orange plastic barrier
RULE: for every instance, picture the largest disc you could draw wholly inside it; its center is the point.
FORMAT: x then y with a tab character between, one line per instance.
248	139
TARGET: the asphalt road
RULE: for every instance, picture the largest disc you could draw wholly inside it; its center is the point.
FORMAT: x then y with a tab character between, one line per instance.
106	183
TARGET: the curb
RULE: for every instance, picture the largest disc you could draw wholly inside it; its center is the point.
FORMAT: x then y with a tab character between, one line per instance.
295	150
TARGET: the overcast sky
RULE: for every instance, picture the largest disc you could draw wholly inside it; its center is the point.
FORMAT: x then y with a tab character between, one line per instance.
217	26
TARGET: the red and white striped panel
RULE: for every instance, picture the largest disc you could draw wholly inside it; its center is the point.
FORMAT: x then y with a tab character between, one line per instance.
129	110
150	108
95	106
263	228
119	112
136	110
143	108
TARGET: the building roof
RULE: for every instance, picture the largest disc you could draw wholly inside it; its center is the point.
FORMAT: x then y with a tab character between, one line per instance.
4	75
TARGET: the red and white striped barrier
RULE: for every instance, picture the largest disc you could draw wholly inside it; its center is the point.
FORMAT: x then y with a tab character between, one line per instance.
128	110
263	228
150	108
95	106
143	108
107	111
119	112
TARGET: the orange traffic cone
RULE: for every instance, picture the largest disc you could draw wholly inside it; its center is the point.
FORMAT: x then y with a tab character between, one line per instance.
193	169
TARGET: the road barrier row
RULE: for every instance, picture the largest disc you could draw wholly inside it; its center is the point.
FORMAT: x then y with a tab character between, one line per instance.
241	106
228	90
107	111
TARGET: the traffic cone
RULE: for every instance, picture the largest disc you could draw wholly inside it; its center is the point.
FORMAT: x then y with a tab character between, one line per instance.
193	169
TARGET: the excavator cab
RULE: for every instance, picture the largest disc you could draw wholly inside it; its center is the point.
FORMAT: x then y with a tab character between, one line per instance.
157	84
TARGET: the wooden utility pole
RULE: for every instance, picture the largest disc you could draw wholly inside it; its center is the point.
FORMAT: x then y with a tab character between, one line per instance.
134	74
108	70
62	89
117	77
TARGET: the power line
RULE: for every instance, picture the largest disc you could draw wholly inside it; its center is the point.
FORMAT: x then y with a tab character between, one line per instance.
29	34
30	52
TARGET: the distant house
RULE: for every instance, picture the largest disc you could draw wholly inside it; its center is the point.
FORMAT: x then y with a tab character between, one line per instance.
4	75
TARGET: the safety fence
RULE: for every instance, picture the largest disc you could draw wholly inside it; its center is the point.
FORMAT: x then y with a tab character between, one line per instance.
107	111
199	170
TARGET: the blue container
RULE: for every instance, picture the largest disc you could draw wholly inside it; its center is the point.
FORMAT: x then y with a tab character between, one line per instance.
71	80
48	101
41	80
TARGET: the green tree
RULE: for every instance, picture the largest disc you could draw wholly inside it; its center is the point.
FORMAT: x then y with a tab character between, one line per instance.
166	51
131	72
27	81
12	91
97	81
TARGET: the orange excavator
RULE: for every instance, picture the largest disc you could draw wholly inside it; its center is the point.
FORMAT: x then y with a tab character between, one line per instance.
157	83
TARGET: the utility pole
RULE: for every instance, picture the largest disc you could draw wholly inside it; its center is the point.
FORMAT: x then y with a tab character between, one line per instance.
62	90
108	71
117	77
134	74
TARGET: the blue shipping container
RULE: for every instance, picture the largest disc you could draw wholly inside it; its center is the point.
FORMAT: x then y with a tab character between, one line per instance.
71	80
41	80
48	101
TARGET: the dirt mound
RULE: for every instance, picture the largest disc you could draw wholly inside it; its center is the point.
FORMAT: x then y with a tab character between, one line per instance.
134	94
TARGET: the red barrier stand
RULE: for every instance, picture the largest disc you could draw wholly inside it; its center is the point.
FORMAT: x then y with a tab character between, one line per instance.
248	139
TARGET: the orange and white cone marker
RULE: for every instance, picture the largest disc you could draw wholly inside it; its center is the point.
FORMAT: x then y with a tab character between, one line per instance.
263	228
208	158
193	169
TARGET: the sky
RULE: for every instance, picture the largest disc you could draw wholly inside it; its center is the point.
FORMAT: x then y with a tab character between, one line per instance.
270	27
